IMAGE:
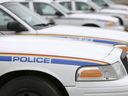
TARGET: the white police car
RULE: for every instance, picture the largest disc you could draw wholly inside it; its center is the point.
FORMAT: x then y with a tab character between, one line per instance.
91	6
36	66
26	22
60	15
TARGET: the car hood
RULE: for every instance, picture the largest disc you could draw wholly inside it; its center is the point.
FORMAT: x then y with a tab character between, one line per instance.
85	31
114	11
120	7
93	16
54	47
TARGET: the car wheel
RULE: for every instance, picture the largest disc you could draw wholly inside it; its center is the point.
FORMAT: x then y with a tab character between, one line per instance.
29	86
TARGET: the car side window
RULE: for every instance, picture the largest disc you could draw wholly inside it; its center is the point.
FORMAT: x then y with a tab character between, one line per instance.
4	20
26	4
67	5
81	6
44	9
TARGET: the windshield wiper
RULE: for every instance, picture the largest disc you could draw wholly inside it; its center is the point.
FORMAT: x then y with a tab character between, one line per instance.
51	23
41	24
69	13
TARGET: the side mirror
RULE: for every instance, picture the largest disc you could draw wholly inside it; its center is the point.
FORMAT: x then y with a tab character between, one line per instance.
92	9
51	22
58	14
15	26
106	5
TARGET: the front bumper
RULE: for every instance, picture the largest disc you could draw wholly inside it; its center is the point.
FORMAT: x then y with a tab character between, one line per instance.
108	88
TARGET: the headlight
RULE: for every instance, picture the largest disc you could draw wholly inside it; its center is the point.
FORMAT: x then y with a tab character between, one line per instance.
101	73
123	47
109	24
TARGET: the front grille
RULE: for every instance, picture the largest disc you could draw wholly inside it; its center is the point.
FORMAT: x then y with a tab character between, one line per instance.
124	60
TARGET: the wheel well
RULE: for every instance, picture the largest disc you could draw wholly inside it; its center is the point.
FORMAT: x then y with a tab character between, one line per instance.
120	20
91	25
9	76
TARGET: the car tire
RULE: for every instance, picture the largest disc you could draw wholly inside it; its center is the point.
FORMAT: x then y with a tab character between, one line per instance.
29	86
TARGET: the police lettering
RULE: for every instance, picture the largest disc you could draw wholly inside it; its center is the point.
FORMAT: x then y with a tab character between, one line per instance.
31	59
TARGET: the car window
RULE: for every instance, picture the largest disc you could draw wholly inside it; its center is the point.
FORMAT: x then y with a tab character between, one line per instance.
4	20
101	3
110	2
28	16
44	9
66	5
81	6
26	4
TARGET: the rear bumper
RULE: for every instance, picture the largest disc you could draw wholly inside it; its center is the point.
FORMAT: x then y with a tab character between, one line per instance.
109	88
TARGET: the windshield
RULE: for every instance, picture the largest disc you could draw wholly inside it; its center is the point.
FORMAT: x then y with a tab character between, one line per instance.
26	15
101	3
109	1
61	8
81	6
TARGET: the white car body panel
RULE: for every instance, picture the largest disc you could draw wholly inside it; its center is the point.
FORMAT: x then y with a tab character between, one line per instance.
96	17
14	46
119	7
80	33
119	88
71	49
67	48
115	11
115	5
